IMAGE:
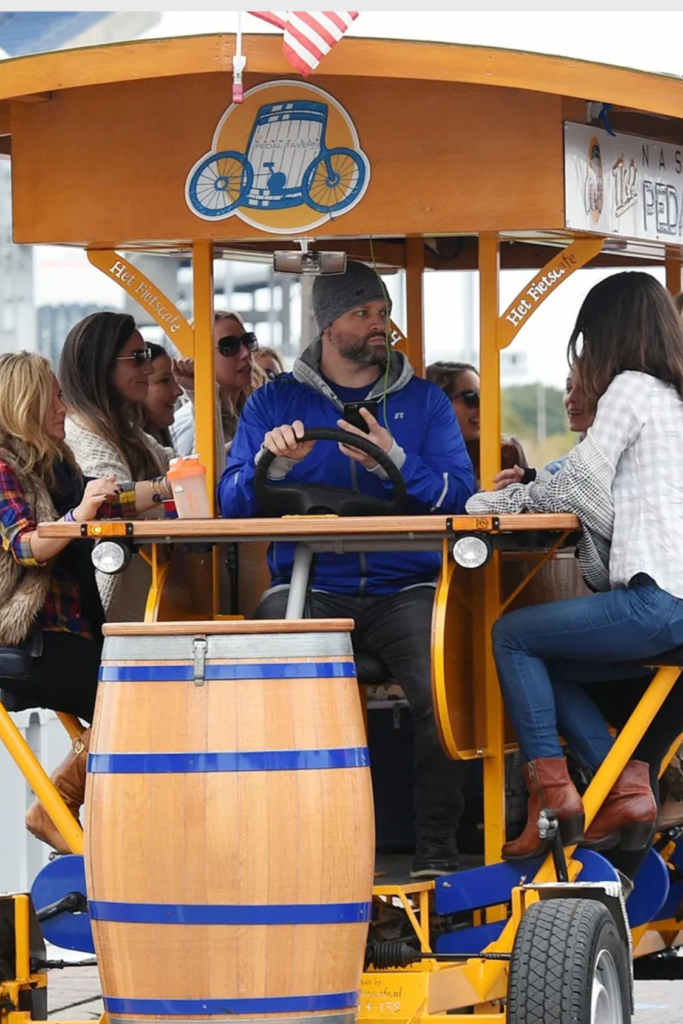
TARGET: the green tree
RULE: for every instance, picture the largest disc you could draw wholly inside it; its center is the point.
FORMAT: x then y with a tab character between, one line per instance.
519	411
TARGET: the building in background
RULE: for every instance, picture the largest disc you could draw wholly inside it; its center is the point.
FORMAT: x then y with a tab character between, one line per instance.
21	33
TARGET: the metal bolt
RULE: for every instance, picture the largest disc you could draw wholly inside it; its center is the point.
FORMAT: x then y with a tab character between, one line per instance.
480	753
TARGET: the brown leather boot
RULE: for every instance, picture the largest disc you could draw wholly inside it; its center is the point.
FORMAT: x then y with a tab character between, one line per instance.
551	788
628	817
69	781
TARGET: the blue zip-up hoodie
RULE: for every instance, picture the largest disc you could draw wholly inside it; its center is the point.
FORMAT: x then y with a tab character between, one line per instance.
436	467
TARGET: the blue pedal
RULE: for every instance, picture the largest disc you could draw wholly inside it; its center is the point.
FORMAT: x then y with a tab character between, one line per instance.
650	891
58	887
675	897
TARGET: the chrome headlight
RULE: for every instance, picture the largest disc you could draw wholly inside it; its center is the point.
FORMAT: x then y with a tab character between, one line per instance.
111	555
471	551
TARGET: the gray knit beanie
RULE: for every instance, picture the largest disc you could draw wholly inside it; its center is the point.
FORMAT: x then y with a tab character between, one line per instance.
336	294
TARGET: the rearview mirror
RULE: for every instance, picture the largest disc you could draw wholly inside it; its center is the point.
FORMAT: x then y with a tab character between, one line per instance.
313	263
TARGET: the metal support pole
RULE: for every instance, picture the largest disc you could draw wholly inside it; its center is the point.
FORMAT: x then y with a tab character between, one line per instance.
487	599
303	556
204	396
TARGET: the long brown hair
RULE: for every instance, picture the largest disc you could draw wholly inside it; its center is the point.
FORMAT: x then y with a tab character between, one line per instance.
86	368
626	322
26	396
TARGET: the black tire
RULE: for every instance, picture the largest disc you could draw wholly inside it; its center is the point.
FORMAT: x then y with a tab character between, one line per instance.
564	951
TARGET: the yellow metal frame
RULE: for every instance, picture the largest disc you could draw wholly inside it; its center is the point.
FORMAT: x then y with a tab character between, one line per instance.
431	989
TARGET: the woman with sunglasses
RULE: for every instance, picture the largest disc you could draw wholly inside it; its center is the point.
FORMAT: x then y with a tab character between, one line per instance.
104	372
269	361
236	378
460	381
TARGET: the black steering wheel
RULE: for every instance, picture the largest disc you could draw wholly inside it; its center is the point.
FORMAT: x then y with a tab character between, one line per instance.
299	499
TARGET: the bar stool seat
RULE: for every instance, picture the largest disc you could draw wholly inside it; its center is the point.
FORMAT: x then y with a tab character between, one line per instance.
673	657
15	663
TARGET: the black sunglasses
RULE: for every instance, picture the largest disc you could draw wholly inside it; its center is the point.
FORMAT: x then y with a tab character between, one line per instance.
231	346
469	397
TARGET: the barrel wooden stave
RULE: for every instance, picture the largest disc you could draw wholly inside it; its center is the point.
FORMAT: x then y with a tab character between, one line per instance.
168	817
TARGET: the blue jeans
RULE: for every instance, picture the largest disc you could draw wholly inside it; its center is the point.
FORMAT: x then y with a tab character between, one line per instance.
548	655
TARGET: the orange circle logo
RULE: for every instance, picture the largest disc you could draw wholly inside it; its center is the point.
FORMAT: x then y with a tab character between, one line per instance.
285	160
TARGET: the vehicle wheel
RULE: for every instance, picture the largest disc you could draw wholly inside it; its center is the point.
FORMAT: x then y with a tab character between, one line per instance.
220	184
569	966
333	180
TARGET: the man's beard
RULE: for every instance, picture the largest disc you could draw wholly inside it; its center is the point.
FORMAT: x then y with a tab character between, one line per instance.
359	350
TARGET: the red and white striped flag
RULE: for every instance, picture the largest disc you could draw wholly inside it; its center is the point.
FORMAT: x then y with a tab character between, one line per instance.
309	35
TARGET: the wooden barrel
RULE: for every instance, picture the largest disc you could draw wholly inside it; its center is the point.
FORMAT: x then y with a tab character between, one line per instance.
558	579
229	838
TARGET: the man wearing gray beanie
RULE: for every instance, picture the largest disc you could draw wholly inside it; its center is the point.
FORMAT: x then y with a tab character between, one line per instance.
390	596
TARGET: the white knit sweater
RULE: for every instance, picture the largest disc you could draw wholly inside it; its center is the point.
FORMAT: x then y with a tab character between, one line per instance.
124	596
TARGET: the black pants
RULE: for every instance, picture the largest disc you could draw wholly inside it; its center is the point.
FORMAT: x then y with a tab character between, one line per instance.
396	630
64	678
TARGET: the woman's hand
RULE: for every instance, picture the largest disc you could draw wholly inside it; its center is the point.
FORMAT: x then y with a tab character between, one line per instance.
507	477
183	371
95	494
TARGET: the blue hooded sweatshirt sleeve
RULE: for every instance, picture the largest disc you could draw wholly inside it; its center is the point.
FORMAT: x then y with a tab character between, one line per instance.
436	467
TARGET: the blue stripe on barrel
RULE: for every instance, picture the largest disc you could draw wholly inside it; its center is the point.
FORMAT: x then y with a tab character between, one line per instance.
229	761
270	670
208	1007
204	913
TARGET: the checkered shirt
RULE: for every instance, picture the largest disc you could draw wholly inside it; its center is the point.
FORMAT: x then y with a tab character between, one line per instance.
624	484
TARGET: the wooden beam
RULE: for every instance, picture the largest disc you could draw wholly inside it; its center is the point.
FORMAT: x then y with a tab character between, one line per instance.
355	57
672	264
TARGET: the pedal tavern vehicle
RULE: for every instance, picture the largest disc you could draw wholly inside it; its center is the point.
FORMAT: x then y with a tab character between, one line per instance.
419	157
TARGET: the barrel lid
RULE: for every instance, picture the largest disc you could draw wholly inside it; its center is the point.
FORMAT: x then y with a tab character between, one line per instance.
229	627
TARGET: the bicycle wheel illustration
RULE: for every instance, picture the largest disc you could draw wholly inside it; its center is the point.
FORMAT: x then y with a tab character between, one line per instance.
333	180
220	183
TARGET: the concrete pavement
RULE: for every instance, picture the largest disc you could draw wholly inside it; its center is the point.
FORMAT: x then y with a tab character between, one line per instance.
657	1002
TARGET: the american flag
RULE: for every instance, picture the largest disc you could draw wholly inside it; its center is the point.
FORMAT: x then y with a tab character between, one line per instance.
309	35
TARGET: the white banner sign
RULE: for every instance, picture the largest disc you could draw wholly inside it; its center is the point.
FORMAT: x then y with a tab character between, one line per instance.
622	185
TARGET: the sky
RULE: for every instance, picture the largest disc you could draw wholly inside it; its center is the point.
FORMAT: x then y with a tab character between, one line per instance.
450	299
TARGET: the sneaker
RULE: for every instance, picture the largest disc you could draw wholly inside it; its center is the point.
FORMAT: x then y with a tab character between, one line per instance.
435	855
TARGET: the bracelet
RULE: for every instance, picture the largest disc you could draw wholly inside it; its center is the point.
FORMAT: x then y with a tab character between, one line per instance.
157	496
69	516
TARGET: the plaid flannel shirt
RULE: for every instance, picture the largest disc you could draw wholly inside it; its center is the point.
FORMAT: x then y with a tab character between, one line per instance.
62	610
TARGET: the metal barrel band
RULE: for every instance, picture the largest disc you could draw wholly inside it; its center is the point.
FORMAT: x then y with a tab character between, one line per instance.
341	1017
229	1005
182	673
228	761
225	914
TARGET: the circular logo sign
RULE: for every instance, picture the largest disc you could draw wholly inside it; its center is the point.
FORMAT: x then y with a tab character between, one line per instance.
285	160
